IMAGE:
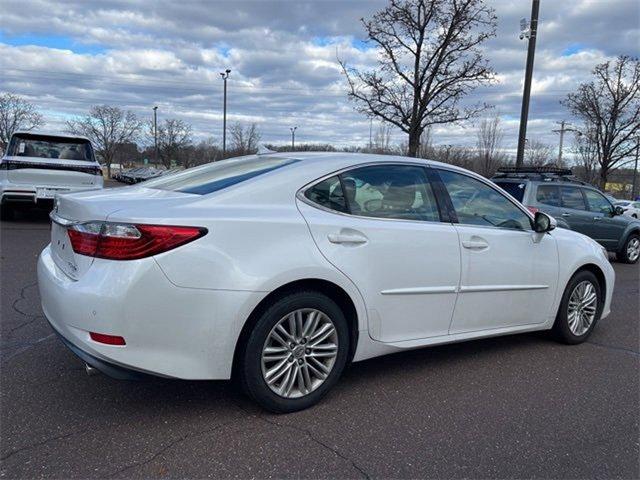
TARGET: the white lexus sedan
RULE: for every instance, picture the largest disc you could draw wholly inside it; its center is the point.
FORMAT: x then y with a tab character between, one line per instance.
279	269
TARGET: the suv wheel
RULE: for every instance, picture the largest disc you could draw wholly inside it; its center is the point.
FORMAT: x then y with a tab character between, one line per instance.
295	353
630	251
579	310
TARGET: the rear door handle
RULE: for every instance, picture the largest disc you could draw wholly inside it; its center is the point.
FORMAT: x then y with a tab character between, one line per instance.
345	238
597	219
475	244
566	214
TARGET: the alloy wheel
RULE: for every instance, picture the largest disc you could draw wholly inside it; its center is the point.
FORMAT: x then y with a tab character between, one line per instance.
299	353
633	249
583	304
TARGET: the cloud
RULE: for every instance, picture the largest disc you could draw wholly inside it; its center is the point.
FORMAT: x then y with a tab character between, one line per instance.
67	56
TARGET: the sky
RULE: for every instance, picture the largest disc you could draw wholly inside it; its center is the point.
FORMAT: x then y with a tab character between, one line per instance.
65	56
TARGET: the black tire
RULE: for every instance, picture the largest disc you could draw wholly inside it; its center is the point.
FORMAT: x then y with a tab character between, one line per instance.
6	212
623	255
250	359
561	330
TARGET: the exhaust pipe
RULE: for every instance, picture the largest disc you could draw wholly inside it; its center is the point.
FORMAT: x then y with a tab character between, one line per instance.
91	371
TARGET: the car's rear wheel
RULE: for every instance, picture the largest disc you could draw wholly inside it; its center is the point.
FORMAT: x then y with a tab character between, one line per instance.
630	251
296	352
580	308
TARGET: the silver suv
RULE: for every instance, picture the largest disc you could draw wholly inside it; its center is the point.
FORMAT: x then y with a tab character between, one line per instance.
576	205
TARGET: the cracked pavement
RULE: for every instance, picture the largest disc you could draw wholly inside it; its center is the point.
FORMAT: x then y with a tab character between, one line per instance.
519	406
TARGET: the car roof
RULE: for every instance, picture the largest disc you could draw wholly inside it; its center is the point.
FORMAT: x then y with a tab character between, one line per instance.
42	133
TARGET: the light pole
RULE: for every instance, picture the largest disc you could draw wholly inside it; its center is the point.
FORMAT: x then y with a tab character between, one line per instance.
529	32
293	137
635	170
224	76
155	133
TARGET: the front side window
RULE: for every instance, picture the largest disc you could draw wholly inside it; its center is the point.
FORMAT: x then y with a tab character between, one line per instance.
548	195
572	198
476	203
390	191
597	202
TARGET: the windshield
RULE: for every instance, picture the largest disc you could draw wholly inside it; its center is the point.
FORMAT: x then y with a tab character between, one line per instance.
218	175
515	189
44	146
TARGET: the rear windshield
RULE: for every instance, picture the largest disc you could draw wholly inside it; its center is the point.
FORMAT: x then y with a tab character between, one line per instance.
218	175
515	189
45	146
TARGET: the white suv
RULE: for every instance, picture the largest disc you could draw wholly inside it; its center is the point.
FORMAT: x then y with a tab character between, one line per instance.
37	166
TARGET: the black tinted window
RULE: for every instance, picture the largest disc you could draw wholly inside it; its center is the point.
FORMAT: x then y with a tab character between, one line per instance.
390	191
328	193
515	189
476	203
572	198
548	195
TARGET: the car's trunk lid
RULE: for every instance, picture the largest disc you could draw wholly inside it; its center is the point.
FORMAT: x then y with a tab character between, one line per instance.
51	172
97	206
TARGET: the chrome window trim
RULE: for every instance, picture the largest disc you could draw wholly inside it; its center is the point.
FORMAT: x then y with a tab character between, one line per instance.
300	194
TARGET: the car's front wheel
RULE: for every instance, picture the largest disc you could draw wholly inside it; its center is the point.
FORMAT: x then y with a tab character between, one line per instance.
630	251
580	308
296	352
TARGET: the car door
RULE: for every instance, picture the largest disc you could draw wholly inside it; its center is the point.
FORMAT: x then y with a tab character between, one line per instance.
574	210
380	225
509	272
607	227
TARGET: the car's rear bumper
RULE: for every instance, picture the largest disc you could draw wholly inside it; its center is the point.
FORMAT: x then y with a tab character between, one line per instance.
170	331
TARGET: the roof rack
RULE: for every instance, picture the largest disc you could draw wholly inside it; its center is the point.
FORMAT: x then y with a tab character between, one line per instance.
545	174
549	169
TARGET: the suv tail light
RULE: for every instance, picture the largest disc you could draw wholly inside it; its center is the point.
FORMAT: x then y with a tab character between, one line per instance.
533	210
122	241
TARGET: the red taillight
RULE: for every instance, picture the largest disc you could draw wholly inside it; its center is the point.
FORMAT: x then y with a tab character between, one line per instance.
116	241
107	339
533	210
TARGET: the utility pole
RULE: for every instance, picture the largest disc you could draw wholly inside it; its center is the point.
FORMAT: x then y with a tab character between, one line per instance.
635	171
564	128
293	137
530	32
224	76
155	134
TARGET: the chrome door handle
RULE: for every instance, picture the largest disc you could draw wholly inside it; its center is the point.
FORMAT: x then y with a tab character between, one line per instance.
597	218
475	244
342	238
565	214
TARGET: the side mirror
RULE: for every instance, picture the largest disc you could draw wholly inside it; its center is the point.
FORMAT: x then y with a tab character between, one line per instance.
618	210
543	223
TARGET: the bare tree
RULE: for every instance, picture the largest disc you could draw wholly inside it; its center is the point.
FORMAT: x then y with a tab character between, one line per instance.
382	139
16	114
429	60
586	153
538	153
610	106
244	139
489	142
108	128
174	136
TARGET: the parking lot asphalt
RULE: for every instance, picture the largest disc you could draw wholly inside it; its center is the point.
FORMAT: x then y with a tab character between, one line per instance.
510	407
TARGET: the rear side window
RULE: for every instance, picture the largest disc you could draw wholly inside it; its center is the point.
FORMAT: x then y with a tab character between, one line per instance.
548	195
328	194
390	191
572	198
515	189
218	175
